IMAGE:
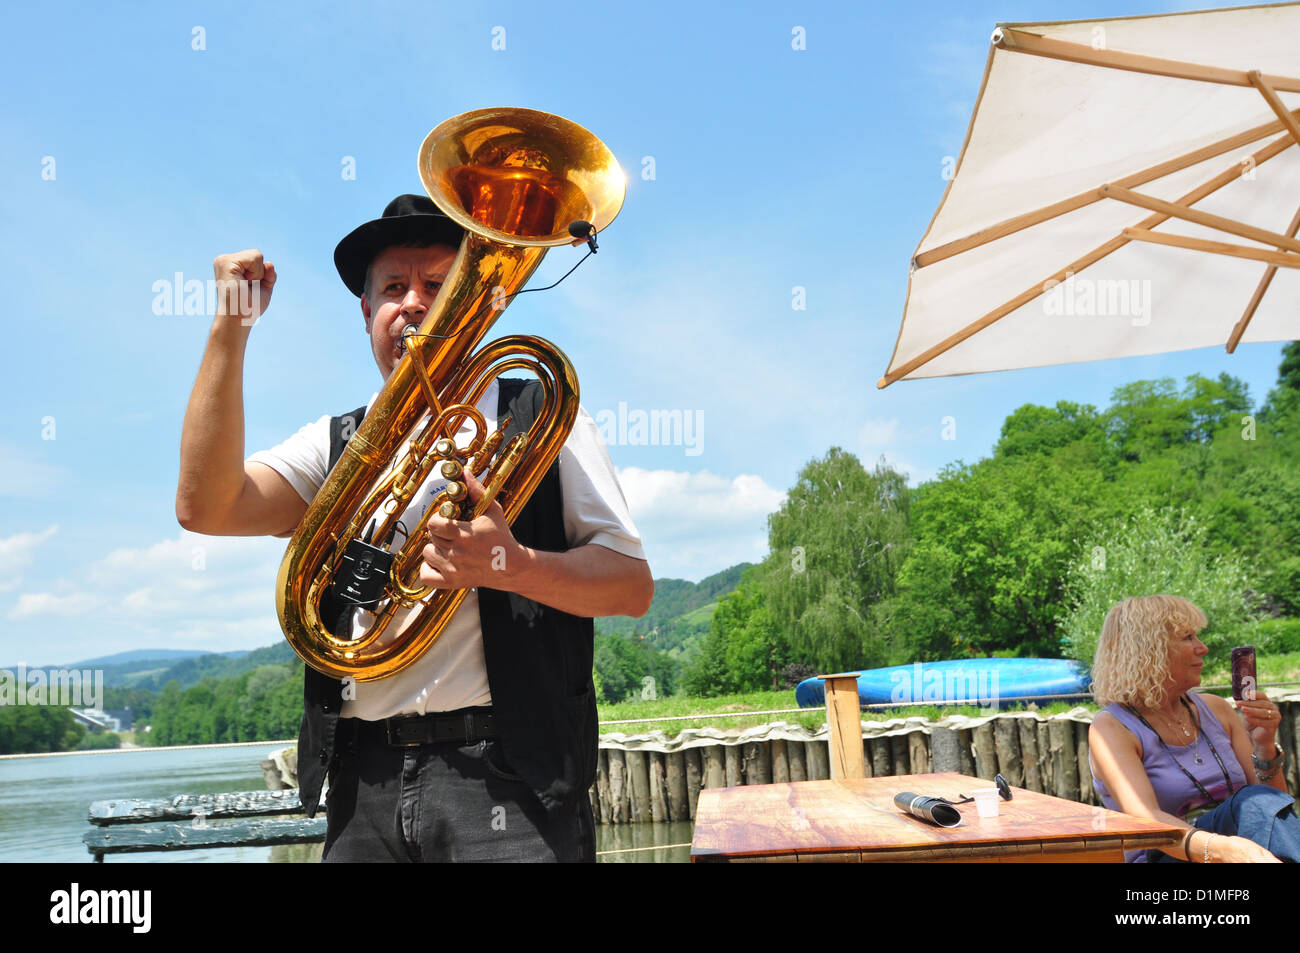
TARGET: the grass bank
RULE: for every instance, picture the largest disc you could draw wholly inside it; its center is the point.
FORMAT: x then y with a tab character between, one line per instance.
732	710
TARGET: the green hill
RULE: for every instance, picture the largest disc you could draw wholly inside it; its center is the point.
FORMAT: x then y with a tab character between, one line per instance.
680	613
191	671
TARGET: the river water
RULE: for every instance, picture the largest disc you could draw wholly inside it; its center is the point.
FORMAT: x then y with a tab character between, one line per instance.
44	803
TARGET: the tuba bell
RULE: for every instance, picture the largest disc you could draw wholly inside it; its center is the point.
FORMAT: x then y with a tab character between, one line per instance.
515	180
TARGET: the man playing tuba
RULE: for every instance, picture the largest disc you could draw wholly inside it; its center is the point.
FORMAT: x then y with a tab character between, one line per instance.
485	746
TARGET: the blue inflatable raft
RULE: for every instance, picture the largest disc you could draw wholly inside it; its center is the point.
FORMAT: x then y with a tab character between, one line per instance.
983	681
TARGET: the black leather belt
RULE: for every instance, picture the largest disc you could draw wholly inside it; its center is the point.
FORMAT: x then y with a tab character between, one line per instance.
466	726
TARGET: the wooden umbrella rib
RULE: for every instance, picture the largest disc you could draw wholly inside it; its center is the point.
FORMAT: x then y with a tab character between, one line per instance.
1021	42
1267	90
1219	248
1235	171
1218	222
1027	219
1240	328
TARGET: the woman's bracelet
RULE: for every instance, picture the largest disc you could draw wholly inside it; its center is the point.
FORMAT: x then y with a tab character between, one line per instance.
1266	770
1187	850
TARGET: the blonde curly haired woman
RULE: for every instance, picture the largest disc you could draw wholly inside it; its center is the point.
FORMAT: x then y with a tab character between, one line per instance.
1160	750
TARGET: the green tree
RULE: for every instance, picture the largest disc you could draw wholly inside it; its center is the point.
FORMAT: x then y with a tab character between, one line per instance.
625	664
836	544
1147	417
1150	553
745	650
1284	398
34	728
1033	429
994	542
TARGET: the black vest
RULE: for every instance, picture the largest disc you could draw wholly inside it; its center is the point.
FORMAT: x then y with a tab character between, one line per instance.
539	659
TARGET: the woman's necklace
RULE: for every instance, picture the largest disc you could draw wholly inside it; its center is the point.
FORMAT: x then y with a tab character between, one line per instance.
1176	723
1199	760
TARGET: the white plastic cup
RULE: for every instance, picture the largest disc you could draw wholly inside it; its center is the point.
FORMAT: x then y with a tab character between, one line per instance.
986	801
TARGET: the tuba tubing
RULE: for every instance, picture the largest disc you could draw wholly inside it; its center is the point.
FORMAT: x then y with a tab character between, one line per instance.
514	179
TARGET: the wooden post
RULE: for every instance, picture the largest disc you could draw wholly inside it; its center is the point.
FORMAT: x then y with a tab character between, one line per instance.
1028	728
731	758
817	755
675	769
967	759
694	778
1290	741
658	786
639	777
918	754
780	762
881	762
1006	741
619	792
1065	769
271	775
1086	793
986	762
945	750
757	762
1045	773
898	753
602	785
844	716
798	768
715	770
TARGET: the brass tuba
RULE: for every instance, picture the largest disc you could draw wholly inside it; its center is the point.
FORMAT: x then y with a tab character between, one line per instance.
515	179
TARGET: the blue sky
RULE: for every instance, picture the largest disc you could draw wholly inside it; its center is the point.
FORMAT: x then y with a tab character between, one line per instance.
773	168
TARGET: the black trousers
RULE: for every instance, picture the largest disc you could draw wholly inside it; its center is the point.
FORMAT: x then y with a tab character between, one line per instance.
441	802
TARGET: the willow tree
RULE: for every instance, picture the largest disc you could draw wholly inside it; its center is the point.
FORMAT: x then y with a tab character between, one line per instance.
836	545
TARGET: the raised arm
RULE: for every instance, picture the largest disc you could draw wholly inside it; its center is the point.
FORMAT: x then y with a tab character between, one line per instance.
216	493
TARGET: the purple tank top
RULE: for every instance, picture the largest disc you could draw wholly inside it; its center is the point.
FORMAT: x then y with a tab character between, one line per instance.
1175	793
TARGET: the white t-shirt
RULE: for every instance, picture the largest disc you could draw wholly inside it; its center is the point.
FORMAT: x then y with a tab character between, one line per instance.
452	673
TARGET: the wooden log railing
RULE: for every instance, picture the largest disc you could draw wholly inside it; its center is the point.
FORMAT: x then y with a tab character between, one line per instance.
1033	751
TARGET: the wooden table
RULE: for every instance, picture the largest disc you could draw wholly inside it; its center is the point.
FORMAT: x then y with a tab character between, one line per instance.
856	820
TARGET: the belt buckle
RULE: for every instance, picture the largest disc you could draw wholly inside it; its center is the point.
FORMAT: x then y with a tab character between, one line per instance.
393	726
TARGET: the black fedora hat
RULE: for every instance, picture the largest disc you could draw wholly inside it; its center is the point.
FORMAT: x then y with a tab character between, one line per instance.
406	219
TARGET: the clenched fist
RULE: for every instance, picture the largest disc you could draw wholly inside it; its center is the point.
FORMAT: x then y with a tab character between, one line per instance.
244	284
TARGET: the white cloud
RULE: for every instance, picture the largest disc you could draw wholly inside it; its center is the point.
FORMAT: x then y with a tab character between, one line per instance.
47	603
695	524
16	554
187	590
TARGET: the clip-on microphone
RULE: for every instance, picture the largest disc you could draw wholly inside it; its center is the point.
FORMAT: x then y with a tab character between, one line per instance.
584	231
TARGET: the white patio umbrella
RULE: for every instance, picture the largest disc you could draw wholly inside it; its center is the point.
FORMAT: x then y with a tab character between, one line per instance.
1127	186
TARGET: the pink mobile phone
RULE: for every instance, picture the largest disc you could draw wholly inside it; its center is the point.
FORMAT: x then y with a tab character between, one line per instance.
1243	673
